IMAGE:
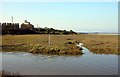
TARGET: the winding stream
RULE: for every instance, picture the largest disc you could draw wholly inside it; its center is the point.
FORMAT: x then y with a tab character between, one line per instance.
36	64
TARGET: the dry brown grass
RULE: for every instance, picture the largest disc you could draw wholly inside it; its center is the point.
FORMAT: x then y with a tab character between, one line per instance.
102	44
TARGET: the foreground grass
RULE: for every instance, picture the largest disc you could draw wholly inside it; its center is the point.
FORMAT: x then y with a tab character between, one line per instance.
101	44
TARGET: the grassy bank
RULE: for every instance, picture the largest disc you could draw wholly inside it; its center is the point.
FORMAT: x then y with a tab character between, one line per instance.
60	44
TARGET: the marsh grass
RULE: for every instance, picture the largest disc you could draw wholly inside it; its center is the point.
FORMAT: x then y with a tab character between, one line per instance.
39	44
99	44
102	44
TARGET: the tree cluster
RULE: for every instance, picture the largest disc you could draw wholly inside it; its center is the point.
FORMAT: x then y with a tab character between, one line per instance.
52	31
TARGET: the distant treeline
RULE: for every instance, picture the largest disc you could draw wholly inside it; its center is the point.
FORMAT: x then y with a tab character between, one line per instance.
27	28
52	31
36	31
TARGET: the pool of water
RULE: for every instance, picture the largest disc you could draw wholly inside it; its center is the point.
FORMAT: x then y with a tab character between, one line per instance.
36	64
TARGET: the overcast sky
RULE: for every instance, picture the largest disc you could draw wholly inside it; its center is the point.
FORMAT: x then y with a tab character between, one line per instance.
78	16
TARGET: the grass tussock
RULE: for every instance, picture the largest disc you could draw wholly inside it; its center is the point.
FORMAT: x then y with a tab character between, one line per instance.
67	50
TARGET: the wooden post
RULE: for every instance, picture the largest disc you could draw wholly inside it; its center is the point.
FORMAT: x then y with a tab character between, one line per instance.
49	40
12	19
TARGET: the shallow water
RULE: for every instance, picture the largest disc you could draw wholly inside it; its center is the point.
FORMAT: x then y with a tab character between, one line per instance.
87	64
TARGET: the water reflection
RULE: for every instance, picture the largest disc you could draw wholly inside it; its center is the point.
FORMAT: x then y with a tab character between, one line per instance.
36	64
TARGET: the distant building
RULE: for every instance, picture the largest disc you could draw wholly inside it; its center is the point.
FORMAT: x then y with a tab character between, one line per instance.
9	25
27	25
